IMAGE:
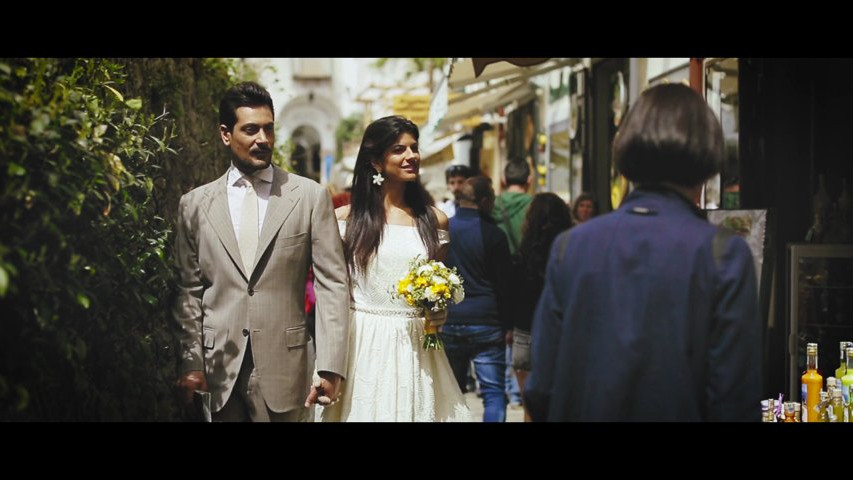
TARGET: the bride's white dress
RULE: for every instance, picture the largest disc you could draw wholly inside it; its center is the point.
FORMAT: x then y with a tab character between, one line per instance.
390	377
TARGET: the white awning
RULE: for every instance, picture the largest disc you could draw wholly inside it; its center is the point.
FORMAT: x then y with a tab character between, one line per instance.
487	102
439	150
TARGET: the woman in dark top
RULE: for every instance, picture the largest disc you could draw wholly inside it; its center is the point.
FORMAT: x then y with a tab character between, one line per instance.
584	208
547	216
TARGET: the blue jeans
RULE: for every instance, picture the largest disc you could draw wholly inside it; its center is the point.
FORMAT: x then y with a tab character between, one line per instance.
512	389
486	346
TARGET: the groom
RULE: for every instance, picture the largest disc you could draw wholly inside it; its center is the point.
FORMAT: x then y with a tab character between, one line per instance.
244	244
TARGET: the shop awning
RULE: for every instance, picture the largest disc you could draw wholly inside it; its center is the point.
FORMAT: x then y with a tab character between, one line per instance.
440	150
470	70
480	64
487	102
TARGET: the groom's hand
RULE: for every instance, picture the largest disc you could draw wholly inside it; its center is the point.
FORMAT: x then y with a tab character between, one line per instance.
189	383
324	390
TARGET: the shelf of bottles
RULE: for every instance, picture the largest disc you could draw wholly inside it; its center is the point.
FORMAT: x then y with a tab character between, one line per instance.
820	304
823	400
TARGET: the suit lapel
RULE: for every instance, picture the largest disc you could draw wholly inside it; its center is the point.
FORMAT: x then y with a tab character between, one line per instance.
220	219
283	197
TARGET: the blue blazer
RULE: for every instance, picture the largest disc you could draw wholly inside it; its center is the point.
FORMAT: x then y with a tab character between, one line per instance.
648	313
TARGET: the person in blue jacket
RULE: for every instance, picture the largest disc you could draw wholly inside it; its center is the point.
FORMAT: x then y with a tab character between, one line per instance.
649	313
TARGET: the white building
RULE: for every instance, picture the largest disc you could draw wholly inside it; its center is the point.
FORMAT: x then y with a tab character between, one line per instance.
312	95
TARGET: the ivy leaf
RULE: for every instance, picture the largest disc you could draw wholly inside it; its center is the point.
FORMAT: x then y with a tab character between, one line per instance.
16	170
116	93
4	281
83	300
134	103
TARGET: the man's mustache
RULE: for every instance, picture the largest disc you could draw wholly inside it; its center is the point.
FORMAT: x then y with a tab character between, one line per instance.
260	150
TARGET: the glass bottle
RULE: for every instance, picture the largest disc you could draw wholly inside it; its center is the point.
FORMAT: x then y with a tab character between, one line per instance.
812	384
820	205
847	379
766	411
842	363
791	409
837	404
823	408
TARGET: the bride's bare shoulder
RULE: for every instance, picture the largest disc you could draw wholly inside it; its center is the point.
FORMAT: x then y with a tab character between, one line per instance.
342	212
441	217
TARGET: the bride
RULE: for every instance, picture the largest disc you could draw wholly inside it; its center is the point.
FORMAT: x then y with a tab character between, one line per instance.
390	377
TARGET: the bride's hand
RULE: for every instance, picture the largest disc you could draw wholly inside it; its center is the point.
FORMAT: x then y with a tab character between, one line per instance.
436	319
324	389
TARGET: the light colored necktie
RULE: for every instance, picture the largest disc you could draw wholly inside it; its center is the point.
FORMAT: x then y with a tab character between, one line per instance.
248	239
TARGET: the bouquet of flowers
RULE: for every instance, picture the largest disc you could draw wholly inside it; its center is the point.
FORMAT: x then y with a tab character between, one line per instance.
430	285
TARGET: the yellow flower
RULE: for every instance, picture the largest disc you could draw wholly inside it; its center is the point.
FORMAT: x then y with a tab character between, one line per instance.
440	289
421	282
403	285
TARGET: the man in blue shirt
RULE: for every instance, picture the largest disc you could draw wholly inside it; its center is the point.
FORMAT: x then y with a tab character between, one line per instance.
476	328
650	313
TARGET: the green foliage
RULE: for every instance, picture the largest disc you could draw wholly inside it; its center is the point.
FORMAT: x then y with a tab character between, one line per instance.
281	155
189	89
85	279
349	129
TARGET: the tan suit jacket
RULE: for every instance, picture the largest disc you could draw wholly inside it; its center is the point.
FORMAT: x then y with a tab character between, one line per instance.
220	306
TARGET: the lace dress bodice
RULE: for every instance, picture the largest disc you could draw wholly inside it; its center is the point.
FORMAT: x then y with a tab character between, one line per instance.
390	377
373	289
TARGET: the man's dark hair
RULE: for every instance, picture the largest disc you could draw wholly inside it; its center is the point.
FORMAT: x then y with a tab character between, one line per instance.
516	172
245	94
457	171
477	189
670	135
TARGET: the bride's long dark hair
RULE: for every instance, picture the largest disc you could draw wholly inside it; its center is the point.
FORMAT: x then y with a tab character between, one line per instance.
366	221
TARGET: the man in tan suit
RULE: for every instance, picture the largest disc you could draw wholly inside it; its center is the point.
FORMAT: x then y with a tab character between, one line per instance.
244	244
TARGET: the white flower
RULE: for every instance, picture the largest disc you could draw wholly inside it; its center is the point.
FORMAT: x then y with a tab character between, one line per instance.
430	295
454	280
436	280
458	295
424	270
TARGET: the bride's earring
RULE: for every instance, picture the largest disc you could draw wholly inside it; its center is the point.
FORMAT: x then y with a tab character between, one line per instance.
378	179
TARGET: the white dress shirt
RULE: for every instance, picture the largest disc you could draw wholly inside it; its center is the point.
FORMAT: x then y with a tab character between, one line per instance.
237	190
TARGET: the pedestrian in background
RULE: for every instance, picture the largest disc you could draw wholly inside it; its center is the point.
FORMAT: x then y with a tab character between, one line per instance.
476	328
547	216
650	312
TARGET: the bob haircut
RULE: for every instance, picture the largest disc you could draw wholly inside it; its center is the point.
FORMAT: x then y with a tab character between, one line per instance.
670	135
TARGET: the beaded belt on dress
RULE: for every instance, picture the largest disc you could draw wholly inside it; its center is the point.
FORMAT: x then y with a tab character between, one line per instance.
411	313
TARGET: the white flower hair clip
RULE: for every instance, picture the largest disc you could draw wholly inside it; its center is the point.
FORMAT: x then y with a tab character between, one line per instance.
378	179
